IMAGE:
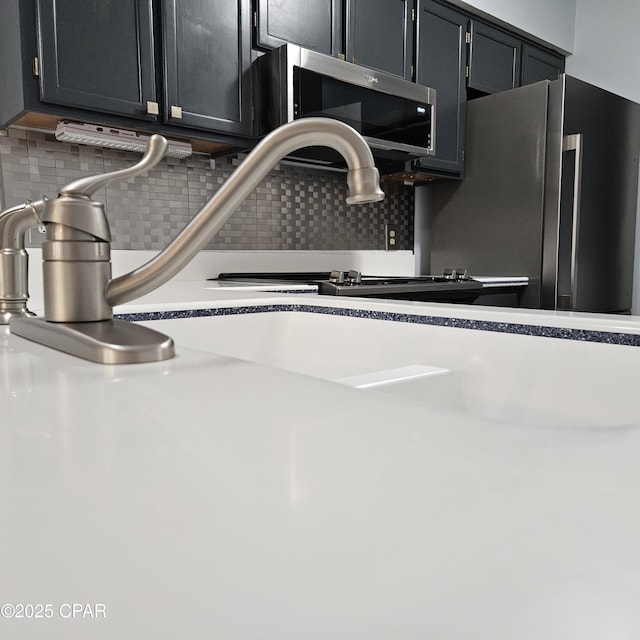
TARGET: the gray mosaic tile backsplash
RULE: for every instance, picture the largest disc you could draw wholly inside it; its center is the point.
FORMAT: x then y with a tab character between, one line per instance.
294	208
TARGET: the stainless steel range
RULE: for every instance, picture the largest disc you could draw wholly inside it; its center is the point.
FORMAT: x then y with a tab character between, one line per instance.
452	286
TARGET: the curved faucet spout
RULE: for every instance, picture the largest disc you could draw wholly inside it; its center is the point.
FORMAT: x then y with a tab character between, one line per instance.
79	293
362	179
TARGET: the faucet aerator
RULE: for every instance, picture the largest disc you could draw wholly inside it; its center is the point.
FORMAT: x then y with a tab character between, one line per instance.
364	186
364	198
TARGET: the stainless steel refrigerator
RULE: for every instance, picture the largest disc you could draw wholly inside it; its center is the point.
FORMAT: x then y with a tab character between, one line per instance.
549	191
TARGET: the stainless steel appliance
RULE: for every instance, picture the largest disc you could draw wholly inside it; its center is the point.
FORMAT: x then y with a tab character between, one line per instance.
453	286
396	117
550	191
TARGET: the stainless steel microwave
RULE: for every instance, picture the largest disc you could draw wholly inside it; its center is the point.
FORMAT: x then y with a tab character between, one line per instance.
396	117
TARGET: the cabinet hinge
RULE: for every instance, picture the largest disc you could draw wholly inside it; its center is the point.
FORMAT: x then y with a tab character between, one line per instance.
413	15
466	71
255	19
36	67
467	37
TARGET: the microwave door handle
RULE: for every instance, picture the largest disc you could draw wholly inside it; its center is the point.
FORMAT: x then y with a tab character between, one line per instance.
573	142
432	143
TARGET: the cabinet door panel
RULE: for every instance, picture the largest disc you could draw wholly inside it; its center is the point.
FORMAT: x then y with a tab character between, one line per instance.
538	64
207	58
441	64
312	24
97	54
380	35
494	59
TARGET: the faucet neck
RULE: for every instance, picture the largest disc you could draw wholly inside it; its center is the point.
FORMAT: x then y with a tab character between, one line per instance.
362	178
14	261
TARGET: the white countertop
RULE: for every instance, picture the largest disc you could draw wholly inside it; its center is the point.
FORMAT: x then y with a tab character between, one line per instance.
207	497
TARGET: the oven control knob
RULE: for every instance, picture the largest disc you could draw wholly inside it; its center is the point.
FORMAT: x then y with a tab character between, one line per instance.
354	277
337	277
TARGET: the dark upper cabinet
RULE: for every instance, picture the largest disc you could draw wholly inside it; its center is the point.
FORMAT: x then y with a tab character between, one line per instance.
376	33
312	24
441	64
379	35
180	68
499	60
539	64
494	58
207	55
81	67
461	57
183	68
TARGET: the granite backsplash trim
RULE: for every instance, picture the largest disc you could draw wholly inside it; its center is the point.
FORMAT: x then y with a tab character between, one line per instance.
294	208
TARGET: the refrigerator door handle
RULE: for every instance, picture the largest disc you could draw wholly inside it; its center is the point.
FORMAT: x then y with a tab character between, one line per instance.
573	142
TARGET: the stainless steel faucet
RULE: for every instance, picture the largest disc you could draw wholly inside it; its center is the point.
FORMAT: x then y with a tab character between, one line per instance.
79	293
14	260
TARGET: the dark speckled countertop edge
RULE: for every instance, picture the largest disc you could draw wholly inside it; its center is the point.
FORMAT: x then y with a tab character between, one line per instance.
562	333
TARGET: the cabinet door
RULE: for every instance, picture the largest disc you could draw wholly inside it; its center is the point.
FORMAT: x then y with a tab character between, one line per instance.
312	24
97	55
441	64
207	54
380	35
539	64
494	59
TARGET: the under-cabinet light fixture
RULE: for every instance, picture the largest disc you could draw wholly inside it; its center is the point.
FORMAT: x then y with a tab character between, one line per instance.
112	138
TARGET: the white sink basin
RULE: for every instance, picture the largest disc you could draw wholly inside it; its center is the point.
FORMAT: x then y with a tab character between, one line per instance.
497	376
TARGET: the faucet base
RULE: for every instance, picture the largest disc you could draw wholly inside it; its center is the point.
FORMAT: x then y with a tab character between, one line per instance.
105	341
10	310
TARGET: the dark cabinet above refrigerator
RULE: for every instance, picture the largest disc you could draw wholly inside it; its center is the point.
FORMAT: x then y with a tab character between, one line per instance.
462	57
494	59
